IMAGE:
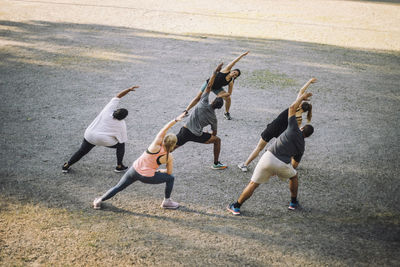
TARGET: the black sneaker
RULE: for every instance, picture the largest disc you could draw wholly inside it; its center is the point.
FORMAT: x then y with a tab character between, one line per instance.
120	169
227	116
65	167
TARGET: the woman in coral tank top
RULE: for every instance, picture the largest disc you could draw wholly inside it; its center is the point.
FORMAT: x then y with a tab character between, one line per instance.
145	168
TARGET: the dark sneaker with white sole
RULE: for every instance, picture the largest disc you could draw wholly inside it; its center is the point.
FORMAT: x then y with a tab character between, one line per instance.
243	167
120	169
65	167
227	116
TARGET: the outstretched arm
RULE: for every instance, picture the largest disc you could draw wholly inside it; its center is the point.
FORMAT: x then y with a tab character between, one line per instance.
295	105
305	86
230	65
155	145
212	79
126	91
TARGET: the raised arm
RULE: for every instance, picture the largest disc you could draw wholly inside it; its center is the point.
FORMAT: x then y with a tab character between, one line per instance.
305	86
155	145
295	105
230	65
212	79
126	91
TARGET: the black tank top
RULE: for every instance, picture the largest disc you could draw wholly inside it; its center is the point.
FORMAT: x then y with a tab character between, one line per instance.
220	81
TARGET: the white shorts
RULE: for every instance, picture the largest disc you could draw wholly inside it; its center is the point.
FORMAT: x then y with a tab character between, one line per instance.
268	166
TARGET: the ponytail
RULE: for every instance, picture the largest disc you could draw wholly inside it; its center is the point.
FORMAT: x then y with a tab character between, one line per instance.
307	107
169	143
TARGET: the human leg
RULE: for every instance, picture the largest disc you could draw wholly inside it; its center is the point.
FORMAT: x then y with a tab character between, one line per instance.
217	149
127	179
293	186
120	152
217	146
264	170
227	99
286	171
160	178
168	179
227	103
82	151
260	146
246	194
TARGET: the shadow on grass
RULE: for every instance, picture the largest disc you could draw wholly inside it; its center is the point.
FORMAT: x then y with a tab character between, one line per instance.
107	207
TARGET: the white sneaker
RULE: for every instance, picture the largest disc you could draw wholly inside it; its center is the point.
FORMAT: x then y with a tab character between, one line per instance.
243	167
97	203
169	204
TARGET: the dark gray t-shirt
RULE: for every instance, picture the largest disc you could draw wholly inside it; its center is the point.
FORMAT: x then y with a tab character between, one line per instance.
290	143
202	116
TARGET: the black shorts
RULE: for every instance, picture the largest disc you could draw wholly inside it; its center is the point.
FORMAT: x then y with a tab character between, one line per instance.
185	135
268	134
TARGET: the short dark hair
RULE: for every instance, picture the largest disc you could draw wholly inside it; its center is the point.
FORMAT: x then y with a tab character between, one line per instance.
217	103
308	130
120	114
238	72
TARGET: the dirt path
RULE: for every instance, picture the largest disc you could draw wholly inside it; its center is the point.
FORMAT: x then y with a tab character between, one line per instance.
61	62
357	24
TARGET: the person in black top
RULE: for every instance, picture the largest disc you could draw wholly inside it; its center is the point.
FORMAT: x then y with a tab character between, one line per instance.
225	77
276	161
279	125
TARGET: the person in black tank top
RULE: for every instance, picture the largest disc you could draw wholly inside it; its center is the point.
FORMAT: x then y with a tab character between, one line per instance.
278	126
225	77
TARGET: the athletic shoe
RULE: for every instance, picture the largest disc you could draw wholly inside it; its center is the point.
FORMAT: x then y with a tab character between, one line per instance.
65	167
169	204
120	169
293	206
219	166
235	211
243	167
97	203
227	116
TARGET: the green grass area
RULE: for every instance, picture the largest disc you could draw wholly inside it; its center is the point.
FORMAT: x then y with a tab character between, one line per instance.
265	79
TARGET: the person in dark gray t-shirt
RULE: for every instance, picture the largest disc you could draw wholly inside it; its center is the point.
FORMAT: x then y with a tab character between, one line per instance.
278	126
277	159
289	144
202	116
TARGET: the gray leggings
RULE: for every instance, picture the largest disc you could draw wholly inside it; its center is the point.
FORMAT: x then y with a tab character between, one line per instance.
132	176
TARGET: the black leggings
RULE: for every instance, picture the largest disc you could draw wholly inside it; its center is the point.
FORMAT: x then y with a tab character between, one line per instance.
86	147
